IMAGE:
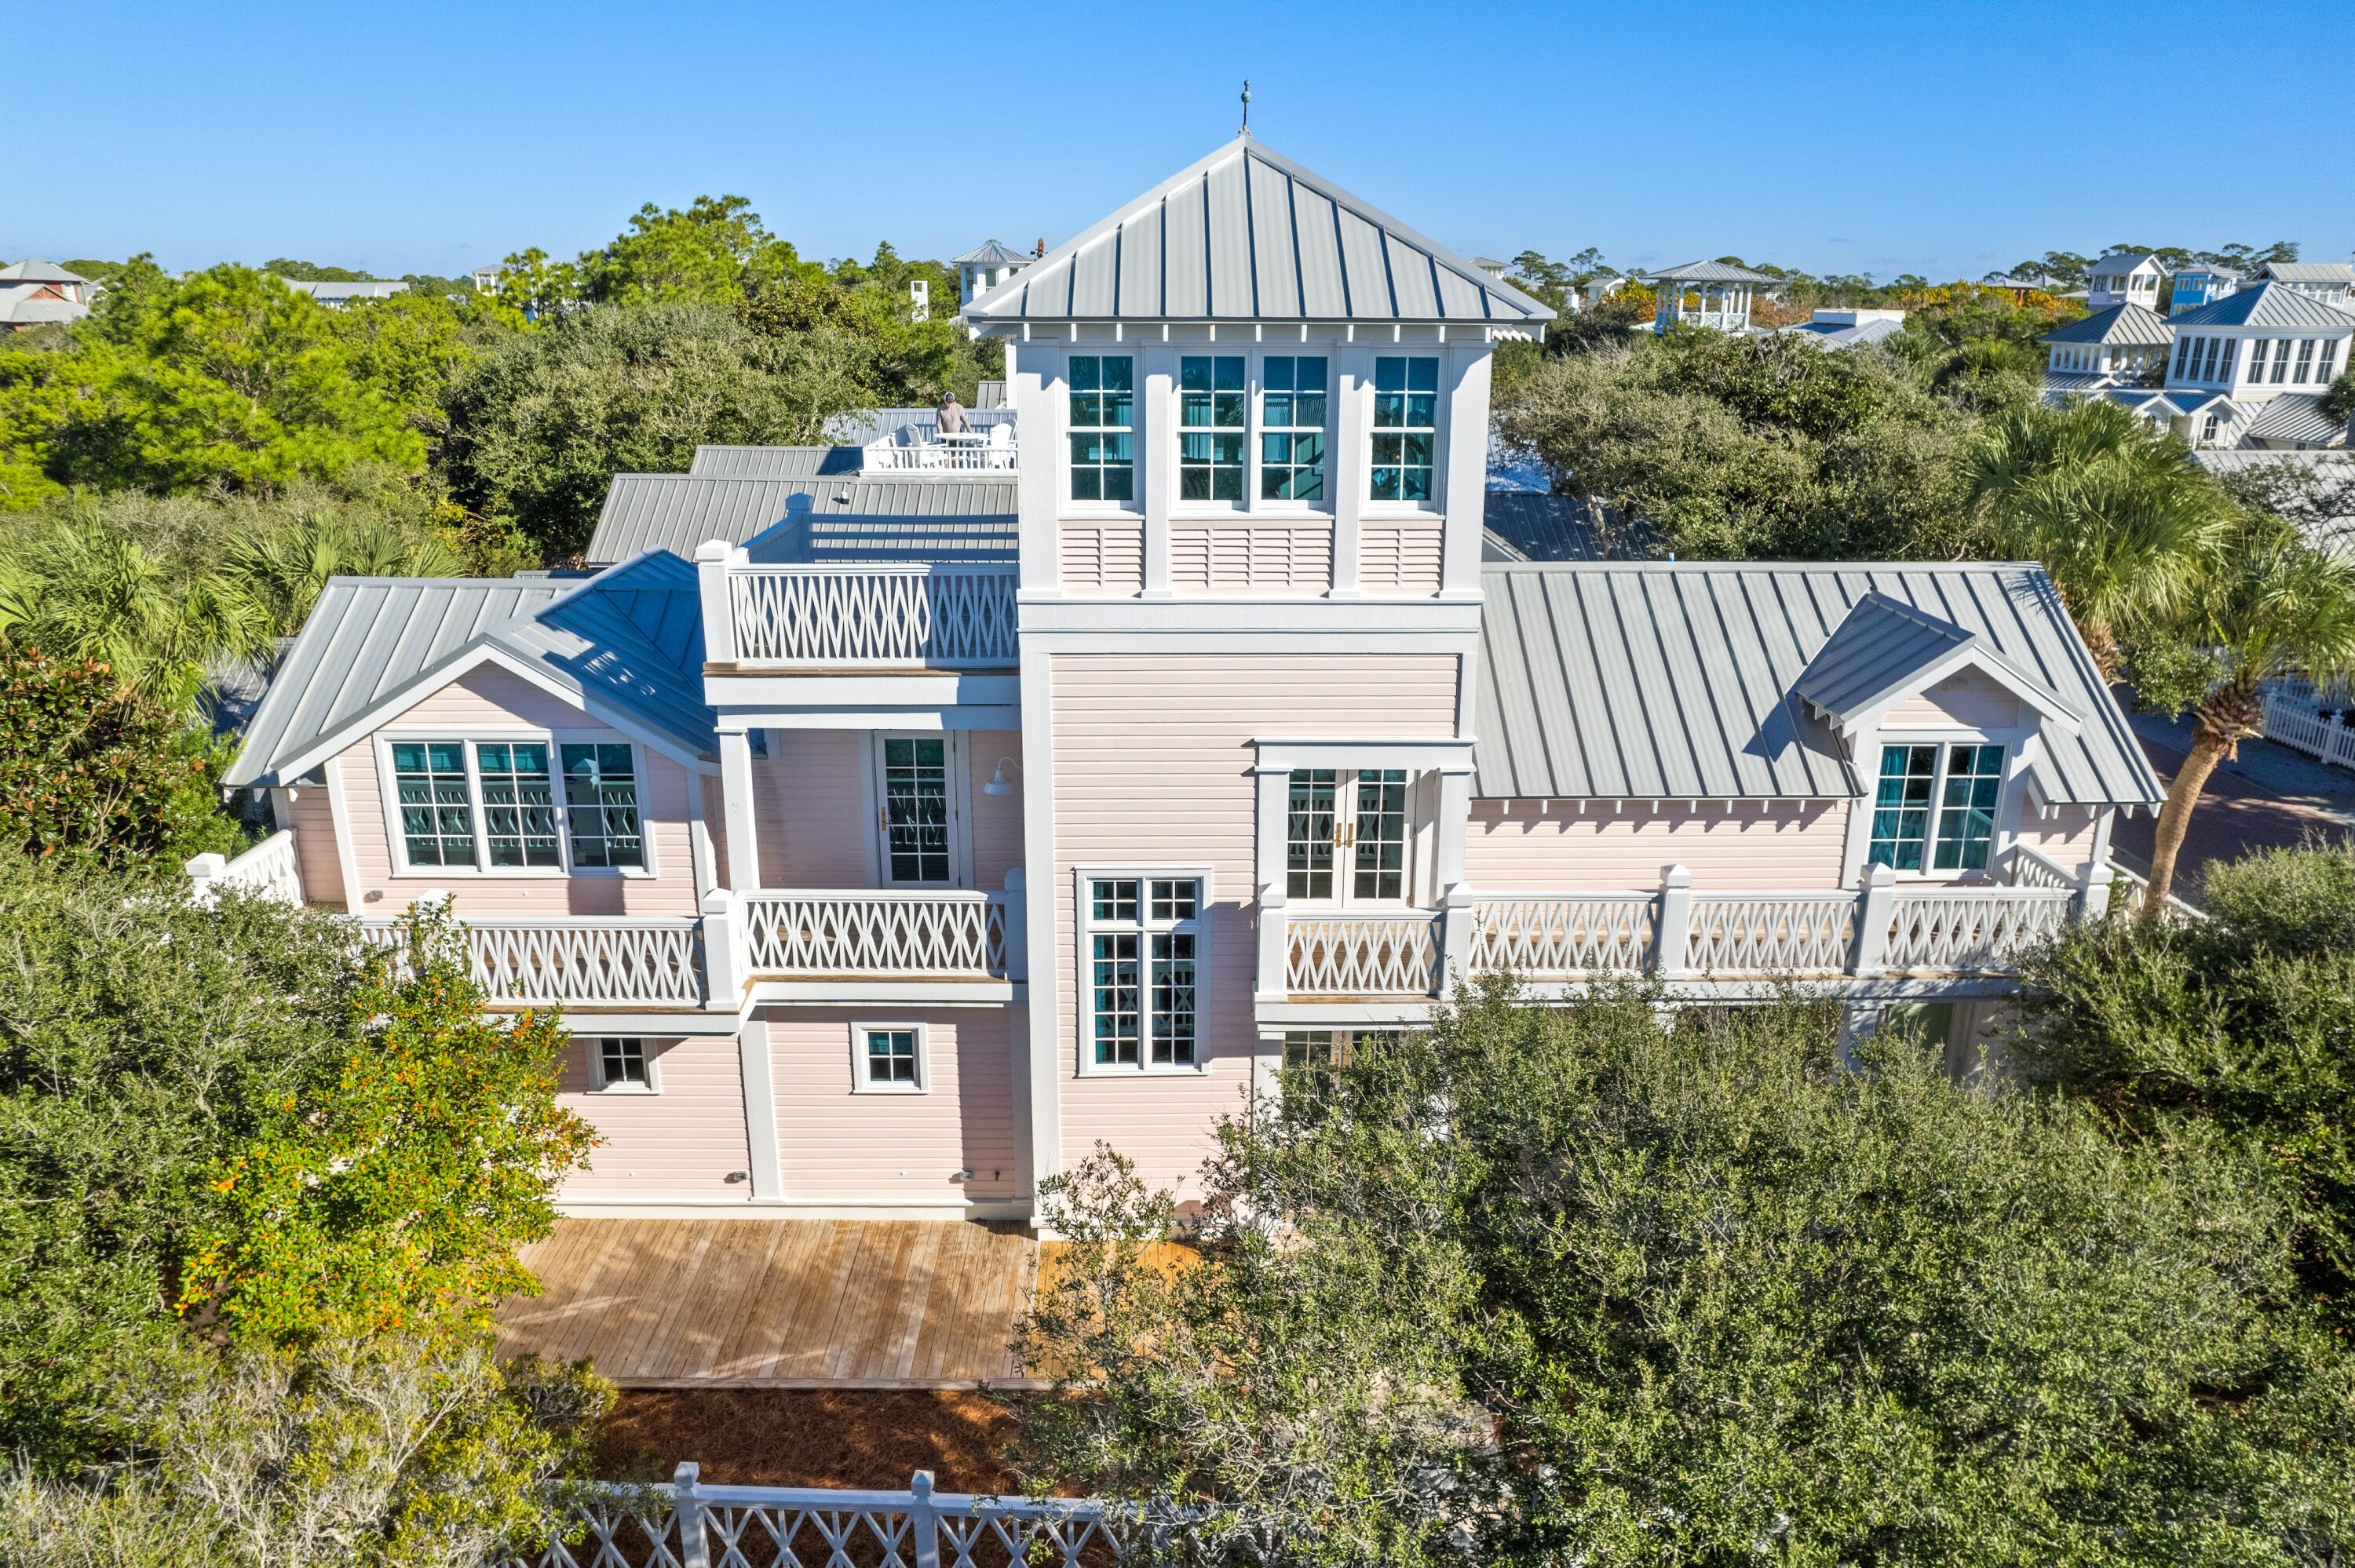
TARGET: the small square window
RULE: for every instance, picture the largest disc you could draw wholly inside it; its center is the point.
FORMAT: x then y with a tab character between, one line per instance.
622	1064
891	1057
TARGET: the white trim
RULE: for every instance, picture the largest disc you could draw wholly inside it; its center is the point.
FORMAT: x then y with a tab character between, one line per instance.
1443	754
860	1082
881	990
1919	684
1043	1131
956	755
601	1085
2004	828
756	1073
1204	625
339	812
450	673
773	1208
1082	928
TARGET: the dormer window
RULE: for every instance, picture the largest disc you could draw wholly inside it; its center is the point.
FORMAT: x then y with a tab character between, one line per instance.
1951	788
1103	428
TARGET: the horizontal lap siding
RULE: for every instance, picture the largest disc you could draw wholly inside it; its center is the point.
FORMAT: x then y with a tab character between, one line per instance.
482	705
2065	838
1976	703
838	1145
996	820
1560	849
1105	559
1250	558
1152	759
312	816
809	809
680	1143
1400	558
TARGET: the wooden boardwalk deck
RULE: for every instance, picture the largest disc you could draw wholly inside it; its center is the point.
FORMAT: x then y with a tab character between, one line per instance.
778	1303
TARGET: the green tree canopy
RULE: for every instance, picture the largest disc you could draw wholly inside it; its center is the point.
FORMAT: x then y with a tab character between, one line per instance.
1573	1284
712	253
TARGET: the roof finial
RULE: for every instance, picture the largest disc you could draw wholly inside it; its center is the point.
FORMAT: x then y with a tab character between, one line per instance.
1245	132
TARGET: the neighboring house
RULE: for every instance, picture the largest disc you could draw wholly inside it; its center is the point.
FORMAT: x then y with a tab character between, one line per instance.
2124	277
336	296
1843	327
2020	287
984	267
38	294
486	280
1705	293
2332	282
892	840
2202	285
2122	346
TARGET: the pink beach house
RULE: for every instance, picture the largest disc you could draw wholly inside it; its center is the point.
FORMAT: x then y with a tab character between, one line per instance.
896	819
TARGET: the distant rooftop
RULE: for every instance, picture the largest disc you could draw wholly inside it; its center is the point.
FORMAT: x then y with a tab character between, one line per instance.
1708	272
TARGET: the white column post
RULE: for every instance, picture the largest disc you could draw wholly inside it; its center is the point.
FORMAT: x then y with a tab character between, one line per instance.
2094	891
712	558
1467	474
725	968
736	793
204	875
1455	933
1672	938
1156	432
1017	925
1346	459
752	1068
1275	981
1872	921
687	1506
923	1520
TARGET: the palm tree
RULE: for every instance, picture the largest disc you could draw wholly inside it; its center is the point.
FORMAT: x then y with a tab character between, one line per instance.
273	575
2270	606
2114	509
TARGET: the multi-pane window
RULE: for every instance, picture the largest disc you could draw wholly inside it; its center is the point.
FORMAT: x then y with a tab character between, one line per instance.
1963	780
1363	811
1406	426
892	1059
2183	356
1144	950
622	1064
1211	414
2208	358
519	803
2326	367
1378	868
916	808
1308	834
2224	365
1104	427
2305	360
1292	427
1319	1048
437	816
2281	361
1901	807
601	805
1974	781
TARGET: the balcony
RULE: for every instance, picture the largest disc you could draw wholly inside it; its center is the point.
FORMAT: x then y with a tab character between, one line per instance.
854	945
920	448
1889	931
582	961
880	615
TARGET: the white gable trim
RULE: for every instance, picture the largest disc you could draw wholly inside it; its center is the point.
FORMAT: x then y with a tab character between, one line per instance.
462	665
1973	655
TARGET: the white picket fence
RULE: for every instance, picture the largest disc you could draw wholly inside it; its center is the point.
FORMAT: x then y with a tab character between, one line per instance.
898	615
928	932
2293	716
688	1524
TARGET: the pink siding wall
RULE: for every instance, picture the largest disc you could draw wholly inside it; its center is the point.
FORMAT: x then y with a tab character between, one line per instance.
1970	700
1240	557
2065	838
1105	557
481	704
312	817
1399	557
676	1144
1156	751
1559	850
816	827
835	1144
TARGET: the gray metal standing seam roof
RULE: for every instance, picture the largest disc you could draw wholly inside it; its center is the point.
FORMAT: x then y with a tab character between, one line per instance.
677	512
32	271
629	640
1708	272
2267	305
989	252
1532	525
1678	681
2294	417
773	462
1884	648
2122	261
1246	234
2127	324
2308	271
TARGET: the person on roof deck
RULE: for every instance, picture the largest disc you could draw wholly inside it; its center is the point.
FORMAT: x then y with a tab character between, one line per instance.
951	417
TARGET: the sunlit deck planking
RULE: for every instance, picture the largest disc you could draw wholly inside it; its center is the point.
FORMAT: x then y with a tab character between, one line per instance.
778	1303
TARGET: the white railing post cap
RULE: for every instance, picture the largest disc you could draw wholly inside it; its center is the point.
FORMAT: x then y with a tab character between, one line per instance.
713	550
209	864
1678	876
1880	876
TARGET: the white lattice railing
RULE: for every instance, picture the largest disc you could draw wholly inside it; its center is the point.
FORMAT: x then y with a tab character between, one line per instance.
906	615
587	959
1969	928
2130	887
1542	937
688	1525
269	868
2030	869
944	932
1758	933
983	456
1364	955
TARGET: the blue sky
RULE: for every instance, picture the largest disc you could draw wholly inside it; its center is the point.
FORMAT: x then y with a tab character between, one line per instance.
1944	140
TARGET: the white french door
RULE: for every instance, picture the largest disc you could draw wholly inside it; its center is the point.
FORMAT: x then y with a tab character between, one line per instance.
1349	836
919	810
